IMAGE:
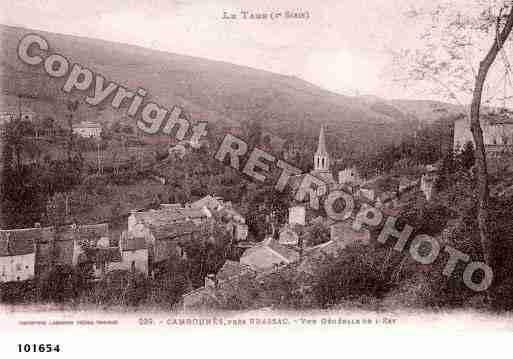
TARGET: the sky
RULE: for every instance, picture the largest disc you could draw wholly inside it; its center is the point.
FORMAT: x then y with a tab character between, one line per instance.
342	46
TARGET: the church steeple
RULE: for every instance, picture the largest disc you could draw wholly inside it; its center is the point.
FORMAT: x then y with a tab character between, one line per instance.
321	157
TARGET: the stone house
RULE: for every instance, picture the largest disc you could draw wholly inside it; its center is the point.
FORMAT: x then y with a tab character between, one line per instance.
164	231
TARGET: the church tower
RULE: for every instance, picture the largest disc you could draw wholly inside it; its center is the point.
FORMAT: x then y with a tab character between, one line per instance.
321	157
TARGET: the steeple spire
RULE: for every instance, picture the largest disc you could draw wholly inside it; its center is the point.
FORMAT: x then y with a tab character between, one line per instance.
321	157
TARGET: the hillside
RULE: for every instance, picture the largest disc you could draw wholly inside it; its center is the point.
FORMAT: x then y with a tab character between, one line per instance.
208	90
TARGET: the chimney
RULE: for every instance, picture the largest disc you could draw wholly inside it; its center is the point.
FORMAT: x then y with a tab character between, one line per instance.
37	225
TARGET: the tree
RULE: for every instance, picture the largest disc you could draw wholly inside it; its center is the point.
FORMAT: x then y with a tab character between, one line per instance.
454	37
466	157
316	234
477	132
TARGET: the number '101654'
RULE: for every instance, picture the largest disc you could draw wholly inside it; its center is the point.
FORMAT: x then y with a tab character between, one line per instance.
38	348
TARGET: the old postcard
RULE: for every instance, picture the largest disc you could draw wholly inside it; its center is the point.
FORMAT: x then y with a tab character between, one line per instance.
196	166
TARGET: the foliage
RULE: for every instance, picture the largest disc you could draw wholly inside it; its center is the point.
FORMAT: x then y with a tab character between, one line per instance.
466	158
170	283
121	288
317	233
206	256
353	273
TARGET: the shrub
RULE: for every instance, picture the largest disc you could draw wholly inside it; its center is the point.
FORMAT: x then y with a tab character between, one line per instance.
121	288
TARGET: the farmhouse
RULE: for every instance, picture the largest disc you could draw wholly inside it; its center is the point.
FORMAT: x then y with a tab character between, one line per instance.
164	230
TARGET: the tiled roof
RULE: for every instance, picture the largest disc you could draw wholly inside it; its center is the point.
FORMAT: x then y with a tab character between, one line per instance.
170	206
166	216
209	201
232	269
171	230
84	232
93	231
18	241
265	255
325	177
287	252
21	240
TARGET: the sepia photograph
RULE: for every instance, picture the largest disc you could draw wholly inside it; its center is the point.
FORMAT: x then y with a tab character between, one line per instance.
340	167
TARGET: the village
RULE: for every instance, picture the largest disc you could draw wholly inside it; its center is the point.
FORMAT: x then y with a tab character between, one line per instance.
157	236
